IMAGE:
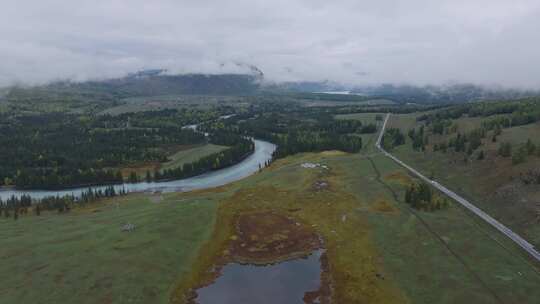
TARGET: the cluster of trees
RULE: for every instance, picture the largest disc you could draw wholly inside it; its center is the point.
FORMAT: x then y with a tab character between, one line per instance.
17	206
91	195
331	97
441	127
159	118
520	154
467	143
240	150
230	139
419	138
40	178
67	202
420	196
59	150
305	130
346	127
522	111
396	109
443	114
392	138
368	129
513	120
62	150
495	123
297	142
470	142
506	114
505	149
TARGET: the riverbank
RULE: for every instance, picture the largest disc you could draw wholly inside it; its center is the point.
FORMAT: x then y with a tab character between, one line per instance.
249	165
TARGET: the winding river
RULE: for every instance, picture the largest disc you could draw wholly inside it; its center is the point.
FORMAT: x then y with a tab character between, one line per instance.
263	152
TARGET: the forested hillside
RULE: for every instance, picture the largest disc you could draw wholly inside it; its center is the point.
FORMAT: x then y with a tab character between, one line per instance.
99	95
57	150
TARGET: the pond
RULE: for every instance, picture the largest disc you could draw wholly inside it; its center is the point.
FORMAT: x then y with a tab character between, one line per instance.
285	283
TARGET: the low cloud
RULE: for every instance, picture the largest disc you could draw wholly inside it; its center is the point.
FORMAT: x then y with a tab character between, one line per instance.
356	42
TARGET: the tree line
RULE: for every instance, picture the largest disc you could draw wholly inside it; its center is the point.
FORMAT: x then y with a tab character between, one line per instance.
14	207
518	112
58	150
519	155
304	131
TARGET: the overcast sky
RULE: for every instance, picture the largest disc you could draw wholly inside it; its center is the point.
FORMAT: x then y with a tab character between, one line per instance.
352	41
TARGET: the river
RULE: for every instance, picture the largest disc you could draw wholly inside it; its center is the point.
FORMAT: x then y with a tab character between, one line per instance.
263	152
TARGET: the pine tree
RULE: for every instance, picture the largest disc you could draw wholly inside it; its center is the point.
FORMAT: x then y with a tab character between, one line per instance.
481	155
505	149
133	178
531	148
408	195
119	177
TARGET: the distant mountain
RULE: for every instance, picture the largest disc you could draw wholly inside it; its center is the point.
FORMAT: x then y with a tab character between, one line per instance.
3	93
156	82
105	93
159	82
458	93
303	86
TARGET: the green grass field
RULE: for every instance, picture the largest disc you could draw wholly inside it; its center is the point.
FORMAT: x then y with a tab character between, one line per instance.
451	252
520	134
492	184
84	257
191	155
365	118
380	250
403	121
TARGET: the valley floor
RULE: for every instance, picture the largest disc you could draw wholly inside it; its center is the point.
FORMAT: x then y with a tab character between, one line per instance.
378	249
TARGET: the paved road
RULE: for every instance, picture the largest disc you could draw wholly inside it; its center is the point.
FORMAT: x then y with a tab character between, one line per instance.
493	222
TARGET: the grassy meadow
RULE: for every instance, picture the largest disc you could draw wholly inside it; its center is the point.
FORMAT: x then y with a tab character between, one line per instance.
493	183
379	250
191	155
84	257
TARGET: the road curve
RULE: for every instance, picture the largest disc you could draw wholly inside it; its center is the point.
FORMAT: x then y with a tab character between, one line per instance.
493	222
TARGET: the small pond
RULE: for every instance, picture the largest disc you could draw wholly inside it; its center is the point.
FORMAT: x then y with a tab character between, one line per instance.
284	283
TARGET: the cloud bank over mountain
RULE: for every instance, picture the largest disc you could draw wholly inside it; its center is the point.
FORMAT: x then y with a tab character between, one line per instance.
355	42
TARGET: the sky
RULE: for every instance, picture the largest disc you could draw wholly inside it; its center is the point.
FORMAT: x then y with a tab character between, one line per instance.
487	42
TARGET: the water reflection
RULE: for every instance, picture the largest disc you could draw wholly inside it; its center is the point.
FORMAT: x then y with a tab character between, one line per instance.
285	283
